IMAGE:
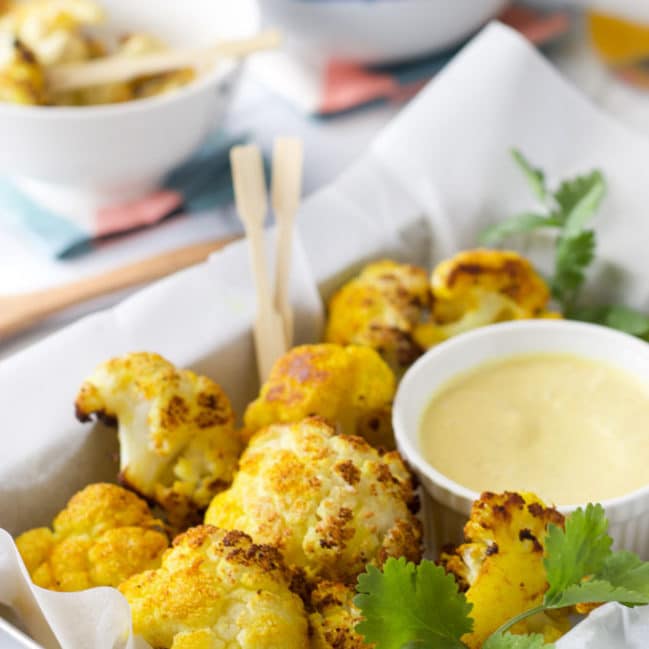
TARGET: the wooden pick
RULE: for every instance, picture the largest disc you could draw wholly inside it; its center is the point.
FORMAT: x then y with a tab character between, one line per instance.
252	204
288	158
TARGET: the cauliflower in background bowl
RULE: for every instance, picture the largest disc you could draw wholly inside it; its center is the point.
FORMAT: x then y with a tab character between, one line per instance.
105	155
51	32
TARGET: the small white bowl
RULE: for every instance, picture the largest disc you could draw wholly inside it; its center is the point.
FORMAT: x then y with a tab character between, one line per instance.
119	152
378	31
449	503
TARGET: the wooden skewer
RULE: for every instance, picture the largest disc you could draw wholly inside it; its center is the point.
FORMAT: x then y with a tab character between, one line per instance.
113	69
252	205
19	312
288	157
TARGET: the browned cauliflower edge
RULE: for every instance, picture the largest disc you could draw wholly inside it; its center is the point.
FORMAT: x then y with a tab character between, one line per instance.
178	443
351	387
216	588
104	535
22	80
330	503
380	308
333	618
500	565
481	287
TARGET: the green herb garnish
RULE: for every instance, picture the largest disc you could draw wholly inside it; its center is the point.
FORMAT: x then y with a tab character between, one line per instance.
408	606
511	641
419	607
568	211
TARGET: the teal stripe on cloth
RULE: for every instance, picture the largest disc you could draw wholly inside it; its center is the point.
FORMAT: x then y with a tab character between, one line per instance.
51	233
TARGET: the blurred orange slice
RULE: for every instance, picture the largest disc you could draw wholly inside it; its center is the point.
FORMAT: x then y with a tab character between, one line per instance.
618	41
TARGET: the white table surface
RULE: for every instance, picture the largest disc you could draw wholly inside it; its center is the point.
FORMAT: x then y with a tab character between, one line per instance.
331	145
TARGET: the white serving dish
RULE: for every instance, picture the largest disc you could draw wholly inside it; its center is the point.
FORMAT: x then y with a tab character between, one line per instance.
378	31
109	154
450	503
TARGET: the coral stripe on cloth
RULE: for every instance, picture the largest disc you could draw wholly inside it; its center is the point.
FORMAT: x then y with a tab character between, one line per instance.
331	87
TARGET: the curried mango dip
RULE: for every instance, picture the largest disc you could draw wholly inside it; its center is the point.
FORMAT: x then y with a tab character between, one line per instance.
570	429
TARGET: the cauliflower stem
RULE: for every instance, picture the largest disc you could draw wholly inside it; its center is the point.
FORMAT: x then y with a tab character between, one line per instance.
178	444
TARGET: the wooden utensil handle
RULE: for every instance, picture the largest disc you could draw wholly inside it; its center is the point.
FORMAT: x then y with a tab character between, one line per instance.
114	69
22	311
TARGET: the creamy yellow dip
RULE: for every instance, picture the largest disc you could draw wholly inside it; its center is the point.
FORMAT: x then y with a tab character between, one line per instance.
569	429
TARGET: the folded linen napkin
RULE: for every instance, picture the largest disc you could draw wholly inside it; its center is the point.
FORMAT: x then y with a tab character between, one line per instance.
203	182
327	88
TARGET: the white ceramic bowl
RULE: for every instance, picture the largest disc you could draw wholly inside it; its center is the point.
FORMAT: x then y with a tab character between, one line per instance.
377	31
449	503
118	152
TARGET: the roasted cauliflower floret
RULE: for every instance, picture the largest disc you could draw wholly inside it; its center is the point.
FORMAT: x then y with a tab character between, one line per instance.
217	589
21	77
351	387
380	309
480	287
105	535
50	28
501	565
331	503
333	618
138	44
178	444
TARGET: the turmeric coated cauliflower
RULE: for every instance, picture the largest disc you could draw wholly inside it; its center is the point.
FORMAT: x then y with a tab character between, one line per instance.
216	589
22	80
480	287
333	618
331	503
178	445
103	536
380	309
501	565
131	46
51	28
351	387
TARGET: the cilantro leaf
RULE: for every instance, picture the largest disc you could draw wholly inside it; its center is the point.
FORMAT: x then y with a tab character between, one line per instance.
581	567
623	578
535	177
628	320
573	256
579	199
627	570
576	553
597	590
519	224
511	641
568	209
411	606
617	317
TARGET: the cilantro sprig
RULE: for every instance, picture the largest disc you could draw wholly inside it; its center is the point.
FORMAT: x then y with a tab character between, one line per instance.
432	613
511	641
568	211
419	607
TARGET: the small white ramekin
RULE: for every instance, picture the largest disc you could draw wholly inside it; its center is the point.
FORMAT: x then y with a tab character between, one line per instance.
447	504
